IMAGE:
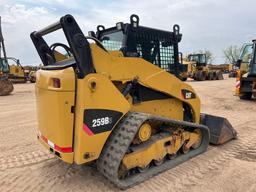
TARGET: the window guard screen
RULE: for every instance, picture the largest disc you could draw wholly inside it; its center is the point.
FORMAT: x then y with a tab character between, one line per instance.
154	49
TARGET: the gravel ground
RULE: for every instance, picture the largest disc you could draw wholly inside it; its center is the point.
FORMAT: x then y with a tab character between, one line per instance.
26	166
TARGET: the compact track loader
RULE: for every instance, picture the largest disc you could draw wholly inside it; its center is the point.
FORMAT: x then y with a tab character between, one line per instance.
129	116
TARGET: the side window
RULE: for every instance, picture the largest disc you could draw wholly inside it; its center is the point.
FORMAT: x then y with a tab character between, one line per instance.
112	41
202	58
247	54
253	62
4	67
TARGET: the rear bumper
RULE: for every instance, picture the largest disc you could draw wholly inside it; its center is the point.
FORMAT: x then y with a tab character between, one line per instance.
66	154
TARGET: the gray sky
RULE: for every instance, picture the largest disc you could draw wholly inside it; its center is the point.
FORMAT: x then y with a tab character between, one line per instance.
205	24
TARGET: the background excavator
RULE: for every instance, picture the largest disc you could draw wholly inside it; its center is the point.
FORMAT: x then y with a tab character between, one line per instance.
6	86
129	116
246	72
11	71
17	73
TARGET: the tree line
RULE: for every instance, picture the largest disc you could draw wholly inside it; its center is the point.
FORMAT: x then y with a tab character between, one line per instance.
231	54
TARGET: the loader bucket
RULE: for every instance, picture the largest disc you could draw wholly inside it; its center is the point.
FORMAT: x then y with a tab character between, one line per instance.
221	131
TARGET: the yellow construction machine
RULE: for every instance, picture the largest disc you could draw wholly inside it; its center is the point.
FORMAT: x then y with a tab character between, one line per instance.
129	116
17	73
30	73
199	70
246	72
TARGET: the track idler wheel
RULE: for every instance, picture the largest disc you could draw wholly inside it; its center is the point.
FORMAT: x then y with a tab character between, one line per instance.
143	134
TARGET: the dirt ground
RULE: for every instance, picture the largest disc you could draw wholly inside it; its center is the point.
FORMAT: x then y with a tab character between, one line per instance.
26	166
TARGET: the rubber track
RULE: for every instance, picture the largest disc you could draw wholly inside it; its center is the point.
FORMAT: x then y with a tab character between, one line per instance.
120	140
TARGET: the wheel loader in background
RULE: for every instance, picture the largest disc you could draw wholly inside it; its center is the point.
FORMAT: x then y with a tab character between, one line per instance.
246	73
199	70
6	86
129	116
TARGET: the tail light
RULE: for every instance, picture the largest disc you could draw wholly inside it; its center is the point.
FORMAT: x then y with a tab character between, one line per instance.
56	82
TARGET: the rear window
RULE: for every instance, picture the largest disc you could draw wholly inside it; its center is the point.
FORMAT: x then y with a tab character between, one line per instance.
154	50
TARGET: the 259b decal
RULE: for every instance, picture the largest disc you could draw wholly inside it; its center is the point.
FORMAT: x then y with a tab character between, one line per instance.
100	120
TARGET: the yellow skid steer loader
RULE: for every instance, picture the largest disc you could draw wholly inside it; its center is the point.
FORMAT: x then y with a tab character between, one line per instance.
129	116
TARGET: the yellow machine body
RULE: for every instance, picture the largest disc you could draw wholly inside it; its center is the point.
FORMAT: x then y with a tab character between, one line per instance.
17	71
117	109
64	129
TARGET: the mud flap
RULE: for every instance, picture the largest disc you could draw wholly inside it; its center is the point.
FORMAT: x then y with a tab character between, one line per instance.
221	131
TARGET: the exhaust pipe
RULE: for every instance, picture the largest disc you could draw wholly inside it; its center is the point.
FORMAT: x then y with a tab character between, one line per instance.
221	131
